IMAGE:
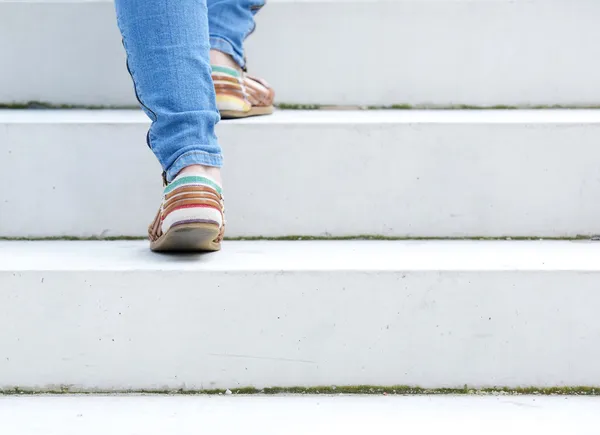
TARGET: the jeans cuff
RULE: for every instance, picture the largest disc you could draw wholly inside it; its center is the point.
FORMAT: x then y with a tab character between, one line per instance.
226	47
193	158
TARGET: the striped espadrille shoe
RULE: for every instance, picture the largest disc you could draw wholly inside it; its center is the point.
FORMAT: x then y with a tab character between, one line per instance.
240	95
191	217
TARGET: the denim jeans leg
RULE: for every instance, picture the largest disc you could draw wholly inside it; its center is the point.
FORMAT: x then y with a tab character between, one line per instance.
230	22
167	45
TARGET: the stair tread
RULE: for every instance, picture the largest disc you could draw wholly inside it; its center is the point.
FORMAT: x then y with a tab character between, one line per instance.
153	415
319	255
561	116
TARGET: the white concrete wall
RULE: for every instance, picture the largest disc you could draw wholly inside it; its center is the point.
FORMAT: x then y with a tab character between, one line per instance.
477	52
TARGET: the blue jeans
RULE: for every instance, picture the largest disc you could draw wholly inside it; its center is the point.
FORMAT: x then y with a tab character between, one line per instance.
167	44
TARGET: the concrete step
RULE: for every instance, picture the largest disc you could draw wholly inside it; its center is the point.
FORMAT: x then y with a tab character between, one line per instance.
378	52
185	415
383	173
112	316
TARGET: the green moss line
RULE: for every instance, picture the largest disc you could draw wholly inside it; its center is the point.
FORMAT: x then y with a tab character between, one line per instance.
472	107
375	237
286	106
69	238
37	105
309	238
404	106
358	389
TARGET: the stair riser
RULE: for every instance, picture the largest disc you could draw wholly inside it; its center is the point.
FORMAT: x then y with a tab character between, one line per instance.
137	330
337	177
481	53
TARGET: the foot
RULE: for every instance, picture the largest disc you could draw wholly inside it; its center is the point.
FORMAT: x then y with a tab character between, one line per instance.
206	171
219	58
191	217
239	95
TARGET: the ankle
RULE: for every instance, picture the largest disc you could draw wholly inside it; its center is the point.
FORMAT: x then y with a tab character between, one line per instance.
222	59
209	171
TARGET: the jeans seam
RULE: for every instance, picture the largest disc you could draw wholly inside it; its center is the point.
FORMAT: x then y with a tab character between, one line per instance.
135	87
136	90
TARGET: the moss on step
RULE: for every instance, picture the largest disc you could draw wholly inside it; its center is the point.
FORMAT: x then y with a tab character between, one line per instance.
287	106
292	106
474	107
393	107
309	238
38	105
377	237
69	239
331	390
405	106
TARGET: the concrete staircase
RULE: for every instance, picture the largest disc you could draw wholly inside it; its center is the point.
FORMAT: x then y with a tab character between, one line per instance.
450	289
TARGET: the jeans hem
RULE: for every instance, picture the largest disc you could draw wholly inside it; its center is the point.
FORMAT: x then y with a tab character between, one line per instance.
193	158
226	47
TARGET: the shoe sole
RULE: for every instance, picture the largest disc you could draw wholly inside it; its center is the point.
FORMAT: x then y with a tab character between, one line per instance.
192	237
255	111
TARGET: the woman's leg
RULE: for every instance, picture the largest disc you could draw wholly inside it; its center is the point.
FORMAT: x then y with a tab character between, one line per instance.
167	44
238	95
230	22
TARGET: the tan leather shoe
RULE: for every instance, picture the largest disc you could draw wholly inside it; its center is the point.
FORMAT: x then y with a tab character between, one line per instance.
191	216
240	95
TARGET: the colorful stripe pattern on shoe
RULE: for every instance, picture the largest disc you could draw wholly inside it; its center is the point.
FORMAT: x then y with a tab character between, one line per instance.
192	204
240	95
230	91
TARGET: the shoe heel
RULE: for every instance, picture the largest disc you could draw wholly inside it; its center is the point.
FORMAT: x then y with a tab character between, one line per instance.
189	237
